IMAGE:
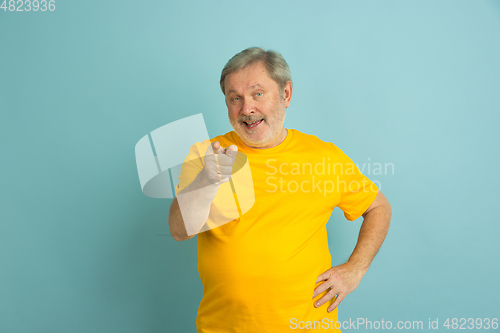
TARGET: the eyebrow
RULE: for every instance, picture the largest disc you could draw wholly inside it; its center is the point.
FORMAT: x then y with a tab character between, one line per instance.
251	87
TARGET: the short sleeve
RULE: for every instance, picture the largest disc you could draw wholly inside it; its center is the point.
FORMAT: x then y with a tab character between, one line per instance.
357	192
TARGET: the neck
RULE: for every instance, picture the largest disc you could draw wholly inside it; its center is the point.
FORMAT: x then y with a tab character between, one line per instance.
280	139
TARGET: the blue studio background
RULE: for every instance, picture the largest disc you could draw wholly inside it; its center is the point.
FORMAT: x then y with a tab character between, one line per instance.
412	83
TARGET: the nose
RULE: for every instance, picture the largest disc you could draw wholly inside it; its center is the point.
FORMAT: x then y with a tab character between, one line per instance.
248	107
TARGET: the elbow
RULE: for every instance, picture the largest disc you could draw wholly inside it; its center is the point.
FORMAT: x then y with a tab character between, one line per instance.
388	210
181	238
177	238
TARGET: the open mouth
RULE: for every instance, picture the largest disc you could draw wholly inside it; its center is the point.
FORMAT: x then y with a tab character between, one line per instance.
253	124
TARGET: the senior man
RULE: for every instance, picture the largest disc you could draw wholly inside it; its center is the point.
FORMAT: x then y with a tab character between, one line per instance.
269	270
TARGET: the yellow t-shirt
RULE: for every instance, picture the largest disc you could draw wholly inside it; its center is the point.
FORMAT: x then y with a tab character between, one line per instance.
259	271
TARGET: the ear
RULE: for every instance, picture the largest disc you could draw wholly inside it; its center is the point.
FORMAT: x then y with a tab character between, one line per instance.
287	94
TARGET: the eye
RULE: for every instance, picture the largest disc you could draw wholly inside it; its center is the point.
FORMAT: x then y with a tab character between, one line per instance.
259	94
235	99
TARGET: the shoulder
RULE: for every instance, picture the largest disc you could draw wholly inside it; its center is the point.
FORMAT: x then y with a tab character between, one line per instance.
314	142
228	137
201	146
225	140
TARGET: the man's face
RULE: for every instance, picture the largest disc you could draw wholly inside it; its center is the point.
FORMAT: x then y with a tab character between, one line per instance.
255	108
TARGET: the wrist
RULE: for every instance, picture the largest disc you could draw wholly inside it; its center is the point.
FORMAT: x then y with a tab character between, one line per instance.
203	186
358	265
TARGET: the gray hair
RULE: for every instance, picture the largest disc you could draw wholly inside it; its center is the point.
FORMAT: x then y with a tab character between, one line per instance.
276	66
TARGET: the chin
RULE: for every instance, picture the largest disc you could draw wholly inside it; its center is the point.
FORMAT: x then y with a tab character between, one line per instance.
262	139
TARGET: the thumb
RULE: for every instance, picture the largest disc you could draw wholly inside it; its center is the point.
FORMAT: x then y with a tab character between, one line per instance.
232	150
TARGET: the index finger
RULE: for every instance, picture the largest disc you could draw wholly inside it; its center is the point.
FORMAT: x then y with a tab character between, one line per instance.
217	148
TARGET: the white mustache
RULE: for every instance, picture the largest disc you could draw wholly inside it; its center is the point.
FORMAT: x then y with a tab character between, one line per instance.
251	120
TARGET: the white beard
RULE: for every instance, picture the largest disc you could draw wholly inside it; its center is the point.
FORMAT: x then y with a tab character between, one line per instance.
274	128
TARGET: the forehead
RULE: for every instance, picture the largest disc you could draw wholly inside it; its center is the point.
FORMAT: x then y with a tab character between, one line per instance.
248	78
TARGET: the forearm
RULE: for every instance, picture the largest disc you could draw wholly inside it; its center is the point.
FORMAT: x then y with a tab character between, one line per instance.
371	236
190	208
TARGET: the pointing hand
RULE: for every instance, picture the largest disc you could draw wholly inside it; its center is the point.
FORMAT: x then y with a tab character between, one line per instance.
219	162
